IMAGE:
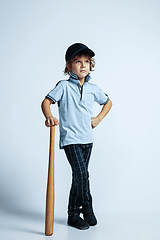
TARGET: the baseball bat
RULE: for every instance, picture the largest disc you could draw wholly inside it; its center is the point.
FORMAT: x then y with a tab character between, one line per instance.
49	218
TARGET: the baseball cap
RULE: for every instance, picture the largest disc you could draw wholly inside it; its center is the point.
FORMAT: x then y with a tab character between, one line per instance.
76	48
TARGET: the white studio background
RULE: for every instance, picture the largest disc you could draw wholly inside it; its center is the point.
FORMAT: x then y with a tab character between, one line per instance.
125	36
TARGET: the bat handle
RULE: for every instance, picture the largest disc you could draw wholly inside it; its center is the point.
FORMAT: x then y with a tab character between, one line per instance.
49	218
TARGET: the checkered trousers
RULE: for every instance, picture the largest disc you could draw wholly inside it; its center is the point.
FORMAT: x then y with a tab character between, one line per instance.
78	156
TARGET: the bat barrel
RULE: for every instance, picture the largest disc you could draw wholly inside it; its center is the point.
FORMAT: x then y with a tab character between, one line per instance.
49	218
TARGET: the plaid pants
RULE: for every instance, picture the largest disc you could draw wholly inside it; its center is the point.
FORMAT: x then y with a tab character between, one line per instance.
78	156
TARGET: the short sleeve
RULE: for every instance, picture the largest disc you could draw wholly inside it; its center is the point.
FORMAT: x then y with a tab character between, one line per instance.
100	97
56	93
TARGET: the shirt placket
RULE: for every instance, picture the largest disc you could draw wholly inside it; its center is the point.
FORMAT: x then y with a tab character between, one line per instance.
80	90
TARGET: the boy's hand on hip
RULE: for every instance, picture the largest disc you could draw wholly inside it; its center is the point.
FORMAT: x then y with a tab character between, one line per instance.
94	122
51	121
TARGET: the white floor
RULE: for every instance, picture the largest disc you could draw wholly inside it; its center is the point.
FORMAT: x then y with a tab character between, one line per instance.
28	226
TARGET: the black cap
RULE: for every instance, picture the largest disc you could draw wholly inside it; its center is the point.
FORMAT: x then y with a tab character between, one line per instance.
76	48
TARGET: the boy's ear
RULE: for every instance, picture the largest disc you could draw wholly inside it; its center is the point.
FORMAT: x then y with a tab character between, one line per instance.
68	66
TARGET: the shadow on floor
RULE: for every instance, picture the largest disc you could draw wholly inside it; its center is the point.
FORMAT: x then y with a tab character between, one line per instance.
61	221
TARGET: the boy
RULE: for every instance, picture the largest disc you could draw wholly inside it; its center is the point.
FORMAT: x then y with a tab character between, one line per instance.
75	98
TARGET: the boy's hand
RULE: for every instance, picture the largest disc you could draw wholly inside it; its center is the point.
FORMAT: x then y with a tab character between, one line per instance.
51	121
94	122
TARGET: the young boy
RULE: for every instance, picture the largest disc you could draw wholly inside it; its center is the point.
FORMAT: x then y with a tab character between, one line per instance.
75	98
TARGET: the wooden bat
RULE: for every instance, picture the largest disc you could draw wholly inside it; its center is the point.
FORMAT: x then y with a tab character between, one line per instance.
49	219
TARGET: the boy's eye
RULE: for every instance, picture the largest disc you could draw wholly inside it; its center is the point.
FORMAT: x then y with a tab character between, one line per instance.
77	61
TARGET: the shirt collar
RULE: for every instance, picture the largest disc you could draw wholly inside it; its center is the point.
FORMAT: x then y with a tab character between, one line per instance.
74	78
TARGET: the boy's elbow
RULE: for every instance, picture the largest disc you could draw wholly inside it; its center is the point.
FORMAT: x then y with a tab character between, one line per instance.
109	103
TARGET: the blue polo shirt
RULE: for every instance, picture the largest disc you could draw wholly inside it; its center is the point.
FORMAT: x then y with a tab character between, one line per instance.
75	109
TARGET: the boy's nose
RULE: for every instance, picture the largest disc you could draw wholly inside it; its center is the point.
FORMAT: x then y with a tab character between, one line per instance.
83	64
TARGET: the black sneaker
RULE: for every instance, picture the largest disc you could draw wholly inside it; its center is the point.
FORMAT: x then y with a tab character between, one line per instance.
76	221
89	216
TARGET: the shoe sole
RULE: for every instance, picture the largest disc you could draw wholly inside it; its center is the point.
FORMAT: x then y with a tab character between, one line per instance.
80	228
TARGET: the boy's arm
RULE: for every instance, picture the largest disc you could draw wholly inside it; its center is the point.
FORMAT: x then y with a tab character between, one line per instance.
106	108
50	120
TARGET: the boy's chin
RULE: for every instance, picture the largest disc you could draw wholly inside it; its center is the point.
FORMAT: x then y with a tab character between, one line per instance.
82	75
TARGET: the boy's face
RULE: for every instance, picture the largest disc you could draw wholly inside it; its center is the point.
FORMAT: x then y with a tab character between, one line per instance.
81	67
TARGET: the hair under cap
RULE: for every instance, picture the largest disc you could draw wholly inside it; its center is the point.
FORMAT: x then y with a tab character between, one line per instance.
76	48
